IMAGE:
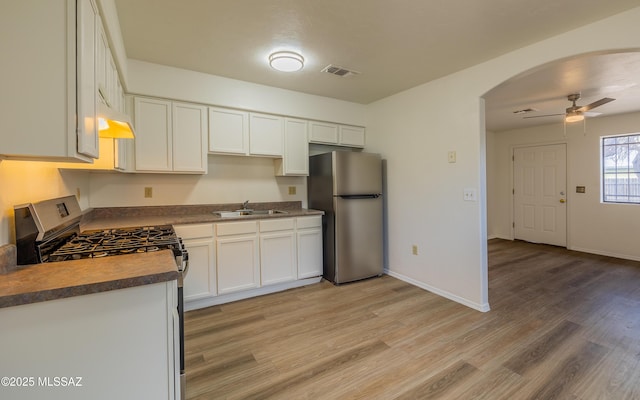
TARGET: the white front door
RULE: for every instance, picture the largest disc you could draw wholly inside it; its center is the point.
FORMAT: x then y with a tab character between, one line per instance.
539	194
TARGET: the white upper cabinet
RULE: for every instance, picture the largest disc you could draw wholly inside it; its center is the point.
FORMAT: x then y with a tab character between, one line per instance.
170	136
336	134
102	48
228	131
243	133
266	133
154	140
352	136
38	80
295	159
323	132
189	137
87	28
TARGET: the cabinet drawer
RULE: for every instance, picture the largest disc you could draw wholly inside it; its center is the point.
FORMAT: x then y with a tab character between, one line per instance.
309	222
236	228
194	231
281	224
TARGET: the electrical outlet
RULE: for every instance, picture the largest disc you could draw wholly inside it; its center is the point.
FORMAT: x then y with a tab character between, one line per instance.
414	249
292	190
148	192
451	156
470	195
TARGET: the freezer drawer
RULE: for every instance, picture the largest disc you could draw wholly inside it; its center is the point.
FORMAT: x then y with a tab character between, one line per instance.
358	238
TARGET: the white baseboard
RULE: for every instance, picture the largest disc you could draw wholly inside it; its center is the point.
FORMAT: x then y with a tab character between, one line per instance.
229	297
605	253
476	306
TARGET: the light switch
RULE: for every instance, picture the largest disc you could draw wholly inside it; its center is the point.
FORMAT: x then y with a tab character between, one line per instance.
451	156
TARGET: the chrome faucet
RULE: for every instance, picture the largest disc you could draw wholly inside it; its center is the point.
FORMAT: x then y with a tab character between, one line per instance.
245	205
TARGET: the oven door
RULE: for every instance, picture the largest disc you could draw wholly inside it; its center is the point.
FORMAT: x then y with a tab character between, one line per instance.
183	378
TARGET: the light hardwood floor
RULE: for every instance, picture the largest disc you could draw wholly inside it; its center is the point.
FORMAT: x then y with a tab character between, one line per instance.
562	325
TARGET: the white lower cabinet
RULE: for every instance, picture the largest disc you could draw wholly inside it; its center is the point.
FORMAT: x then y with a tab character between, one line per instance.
309	244
277	251
237	256
118	344
229	261
200	281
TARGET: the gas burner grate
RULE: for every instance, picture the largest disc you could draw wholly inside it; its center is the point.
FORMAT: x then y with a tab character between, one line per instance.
108	242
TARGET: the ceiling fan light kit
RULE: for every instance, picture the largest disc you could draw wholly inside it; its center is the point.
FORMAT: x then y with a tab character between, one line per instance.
574	116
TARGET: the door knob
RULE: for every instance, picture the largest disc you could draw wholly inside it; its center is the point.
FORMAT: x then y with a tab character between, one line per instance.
562	201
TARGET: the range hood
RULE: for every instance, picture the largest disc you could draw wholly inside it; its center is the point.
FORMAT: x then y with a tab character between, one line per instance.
113	124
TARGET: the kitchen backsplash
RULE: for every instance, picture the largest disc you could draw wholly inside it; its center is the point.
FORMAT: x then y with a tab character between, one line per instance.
230	179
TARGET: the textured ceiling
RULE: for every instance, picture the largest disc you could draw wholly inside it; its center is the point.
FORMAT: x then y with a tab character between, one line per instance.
394	44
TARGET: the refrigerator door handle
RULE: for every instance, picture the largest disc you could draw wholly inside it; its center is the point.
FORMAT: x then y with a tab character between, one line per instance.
359	196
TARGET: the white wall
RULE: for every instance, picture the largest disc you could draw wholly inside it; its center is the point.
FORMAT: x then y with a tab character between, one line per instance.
174	83
594	227
231	179
26	181
415	129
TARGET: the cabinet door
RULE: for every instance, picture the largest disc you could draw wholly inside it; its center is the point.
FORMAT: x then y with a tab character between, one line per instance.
189	137
228	131
266	134
323	132
153	135
102	48
112	81
309	253
237	263
200	281
352	136
277	257
87	90
295	160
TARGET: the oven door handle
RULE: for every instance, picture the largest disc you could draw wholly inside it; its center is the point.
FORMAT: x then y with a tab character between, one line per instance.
186	268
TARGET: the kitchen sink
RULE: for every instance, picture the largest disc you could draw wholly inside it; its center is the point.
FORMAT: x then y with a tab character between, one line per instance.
247	213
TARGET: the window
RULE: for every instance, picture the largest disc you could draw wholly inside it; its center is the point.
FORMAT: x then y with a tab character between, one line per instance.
621	169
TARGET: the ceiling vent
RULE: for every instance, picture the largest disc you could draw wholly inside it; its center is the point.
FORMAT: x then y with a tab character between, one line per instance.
339	71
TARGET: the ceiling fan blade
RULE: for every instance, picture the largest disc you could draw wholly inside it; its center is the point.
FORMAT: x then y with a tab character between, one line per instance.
595	104
546	115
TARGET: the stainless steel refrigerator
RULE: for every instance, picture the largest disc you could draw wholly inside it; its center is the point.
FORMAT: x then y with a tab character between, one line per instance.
347	186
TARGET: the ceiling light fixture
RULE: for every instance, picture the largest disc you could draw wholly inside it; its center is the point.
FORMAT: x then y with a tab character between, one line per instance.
286	61
574	116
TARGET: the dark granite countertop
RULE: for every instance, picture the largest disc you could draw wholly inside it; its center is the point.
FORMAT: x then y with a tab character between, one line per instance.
56	280
41	282
121	217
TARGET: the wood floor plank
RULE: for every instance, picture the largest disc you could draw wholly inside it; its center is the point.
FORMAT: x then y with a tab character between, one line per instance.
570	372
438	386
541	348
562	324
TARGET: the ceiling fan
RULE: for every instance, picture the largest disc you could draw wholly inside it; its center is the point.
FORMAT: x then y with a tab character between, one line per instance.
577	113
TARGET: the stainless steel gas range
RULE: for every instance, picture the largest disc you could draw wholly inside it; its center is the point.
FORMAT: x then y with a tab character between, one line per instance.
49	231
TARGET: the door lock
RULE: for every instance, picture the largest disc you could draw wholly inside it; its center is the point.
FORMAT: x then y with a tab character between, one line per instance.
562	200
